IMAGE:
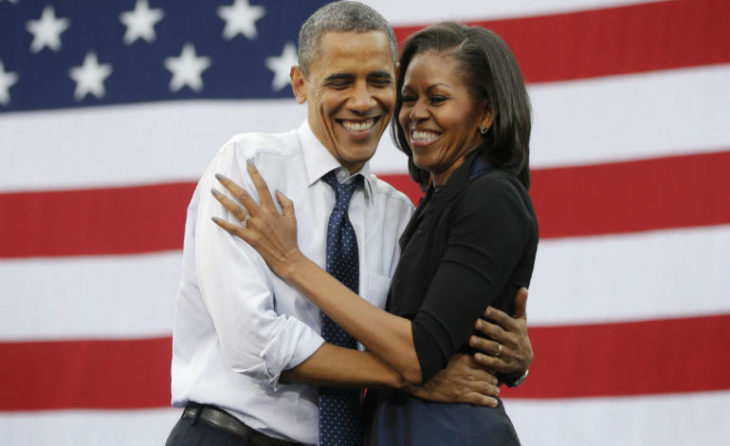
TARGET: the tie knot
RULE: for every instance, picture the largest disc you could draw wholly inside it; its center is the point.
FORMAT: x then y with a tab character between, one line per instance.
343	191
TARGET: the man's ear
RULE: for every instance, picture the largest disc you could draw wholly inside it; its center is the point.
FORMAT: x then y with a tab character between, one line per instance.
298	83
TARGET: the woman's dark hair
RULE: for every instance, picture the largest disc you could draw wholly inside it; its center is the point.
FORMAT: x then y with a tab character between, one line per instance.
492	74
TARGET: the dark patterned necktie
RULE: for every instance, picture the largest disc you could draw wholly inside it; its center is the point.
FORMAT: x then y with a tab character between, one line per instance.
340	412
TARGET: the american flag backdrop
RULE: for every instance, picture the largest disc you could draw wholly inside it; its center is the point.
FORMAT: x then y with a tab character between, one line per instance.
110	111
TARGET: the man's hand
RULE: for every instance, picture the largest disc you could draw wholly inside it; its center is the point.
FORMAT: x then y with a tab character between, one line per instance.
508	349
462	381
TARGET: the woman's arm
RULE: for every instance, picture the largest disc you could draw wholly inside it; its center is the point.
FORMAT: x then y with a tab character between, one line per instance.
335	366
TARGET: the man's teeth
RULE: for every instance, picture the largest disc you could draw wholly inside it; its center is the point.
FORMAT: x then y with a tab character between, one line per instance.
358	126
419	136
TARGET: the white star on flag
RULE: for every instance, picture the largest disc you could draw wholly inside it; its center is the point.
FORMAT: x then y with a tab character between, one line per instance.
281	66
7	80
47	30
187	69
90	77
240	18
140	22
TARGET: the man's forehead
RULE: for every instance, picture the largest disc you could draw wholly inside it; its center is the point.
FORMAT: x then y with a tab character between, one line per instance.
354	54
368	44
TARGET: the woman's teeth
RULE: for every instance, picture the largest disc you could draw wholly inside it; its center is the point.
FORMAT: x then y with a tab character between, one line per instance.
420	136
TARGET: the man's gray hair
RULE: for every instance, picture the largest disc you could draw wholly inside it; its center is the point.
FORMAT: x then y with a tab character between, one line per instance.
343	16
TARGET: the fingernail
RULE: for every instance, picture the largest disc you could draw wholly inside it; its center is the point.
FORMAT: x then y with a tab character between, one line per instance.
214	192
214	219
219	176
249	163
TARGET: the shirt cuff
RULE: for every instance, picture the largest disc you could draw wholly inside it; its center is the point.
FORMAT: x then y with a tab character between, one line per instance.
295	343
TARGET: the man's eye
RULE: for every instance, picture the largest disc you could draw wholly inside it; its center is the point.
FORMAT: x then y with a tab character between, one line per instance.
380	83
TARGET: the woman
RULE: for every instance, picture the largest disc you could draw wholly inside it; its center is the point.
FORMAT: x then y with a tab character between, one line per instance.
463	119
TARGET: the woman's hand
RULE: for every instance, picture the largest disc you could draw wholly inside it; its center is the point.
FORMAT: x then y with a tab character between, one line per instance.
271	233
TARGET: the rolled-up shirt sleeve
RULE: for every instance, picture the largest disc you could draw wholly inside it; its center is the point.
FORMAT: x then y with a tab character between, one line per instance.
236	286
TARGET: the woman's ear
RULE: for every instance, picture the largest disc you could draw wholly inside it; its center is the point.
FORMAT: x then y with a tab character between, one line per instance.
488	118
298	84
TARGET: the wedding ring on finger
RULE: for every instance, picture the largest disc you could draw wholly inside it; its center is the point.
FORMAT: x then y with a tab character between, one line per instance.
245	220
499	351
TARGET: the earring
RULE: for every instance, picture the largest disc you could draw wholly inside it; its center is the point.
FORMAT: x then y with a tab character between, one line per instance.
483	130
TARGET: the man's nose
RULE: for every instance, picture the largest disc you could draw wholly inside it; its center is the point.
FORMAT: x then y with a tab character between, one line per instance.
362	98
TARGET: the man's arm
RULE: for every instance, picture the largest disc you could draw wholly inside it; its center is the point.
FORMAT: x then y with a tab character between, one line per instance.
462	381
506	347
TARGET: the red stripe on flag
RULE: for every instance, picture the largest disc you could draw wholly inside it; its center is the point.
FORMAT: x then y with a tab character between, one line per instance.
109	374
654	357
95	221
658	36
661	193
636	358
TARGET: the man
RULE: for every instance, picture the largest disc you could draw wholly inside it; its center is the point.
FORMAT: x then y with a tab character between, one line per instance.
247	351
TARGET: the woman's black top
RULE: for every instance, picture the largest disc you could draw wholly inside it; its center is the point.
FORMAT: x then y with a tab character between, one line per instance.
471	243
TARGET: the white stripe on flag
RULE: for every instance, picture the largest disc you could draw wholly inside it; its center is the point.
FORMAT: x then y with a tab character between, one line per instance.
668	420
102	297
580	122
88	427
649	275
465	10
133	296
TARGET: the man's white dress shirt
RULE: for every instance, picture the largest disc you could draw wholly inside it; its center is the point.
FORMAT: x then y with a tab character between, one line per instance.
237	325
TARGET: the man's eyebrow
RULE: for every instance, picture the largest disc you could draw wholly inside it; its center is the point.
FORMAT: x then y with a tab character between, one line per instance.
339	77
380	74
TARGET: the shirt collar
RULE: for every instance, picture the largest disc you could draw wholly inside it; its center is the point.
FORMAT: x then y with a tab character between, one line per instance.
318	161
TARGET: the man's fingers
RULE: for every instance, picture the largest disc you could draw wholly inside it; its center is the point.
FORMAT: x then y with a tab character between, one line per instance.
240	194
487	346
500	318
480	399
261	187
493	331
521	304
488	362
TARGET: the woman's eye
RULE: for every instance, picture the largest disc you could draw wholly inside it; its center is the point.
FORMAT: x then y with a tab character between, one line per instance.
437	99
